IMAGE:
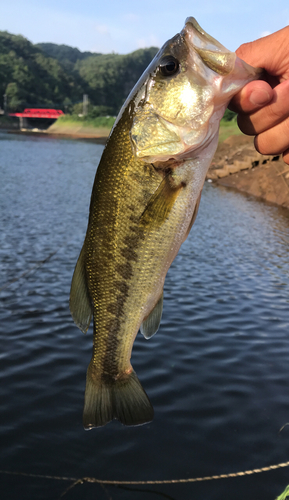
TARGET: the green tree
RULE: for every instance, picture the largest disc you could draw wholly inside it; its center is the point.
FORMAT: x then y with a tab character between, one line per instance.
14	99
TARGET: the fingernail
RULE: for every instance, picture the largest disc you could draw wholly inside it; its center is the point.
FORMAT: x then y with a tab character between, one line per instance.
260	97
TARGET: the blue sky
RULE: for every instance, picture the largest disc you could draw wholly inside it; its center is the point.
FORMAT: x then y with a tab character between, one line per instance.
124	25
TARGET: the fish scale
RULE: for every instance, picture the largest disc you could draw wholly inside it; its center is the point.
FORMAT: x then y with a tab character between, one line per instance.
119	249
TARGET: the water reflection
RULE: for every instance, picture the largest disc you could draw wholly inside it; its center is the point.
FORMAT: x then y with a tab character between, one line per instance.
217	371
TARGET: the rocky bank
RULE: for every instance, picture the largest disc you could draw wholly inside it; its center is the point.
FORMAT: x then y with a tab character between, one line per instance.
238	165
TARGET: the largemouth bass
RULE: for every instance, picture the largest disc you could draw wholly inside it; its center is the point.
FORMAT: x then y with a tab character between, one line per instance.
144	202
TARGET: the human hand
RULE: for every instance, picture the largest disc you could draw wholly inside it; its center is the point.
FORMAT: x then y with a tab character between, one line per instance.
263	106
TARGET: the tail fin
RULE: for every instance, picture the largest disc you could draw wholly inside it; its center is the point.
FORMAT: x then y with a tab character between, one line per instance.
123	399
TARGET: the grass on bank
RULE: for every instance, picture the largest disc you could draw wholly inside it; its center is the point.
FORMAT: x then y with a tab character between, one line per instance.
87	121
104	124
228	128
100	126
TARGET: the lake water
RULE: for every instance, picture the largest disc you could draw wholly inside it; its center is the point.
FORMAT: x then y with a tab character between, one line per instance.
217	372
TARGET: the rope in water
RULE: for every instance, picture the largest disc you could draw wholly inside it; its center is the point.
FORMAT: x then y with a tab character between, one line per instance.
165	481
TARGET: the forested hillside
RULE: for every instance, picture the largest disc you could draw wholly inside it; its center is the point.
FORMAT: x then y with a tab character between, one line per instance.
65	54
106	78
28	76
57	75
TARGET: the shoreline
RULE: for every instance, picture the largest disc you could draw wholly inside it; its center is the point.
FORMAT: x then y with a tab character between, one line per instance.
236	164
57	135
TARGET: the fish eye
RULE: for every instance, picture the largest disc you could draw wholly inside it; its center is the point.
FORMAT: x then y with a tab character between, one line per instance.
169	66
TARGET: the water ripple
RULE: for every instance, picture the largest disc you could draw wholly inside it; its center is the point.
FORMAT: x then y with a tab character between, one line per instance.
216	372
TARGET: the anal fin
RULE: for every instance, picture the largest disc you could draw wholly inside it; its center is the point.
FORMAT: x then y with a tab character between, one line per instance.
151	324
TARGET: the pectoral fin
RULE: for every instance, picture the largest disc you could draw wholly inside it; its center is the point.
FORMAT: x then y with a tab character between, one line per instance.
151	324
80	303
160	204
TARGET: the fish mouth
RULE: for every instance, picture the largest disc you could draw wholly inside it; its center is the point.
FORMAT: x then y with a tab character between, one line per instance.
202	39
213	54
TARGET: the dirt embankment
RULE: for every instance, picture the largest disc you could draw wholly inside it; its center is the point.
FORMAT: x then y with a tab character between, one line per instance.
238	165
78	131
99	136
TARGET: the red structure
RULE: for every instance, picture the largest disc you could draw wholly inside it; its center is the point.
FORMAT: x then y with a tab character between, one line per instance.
39	113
